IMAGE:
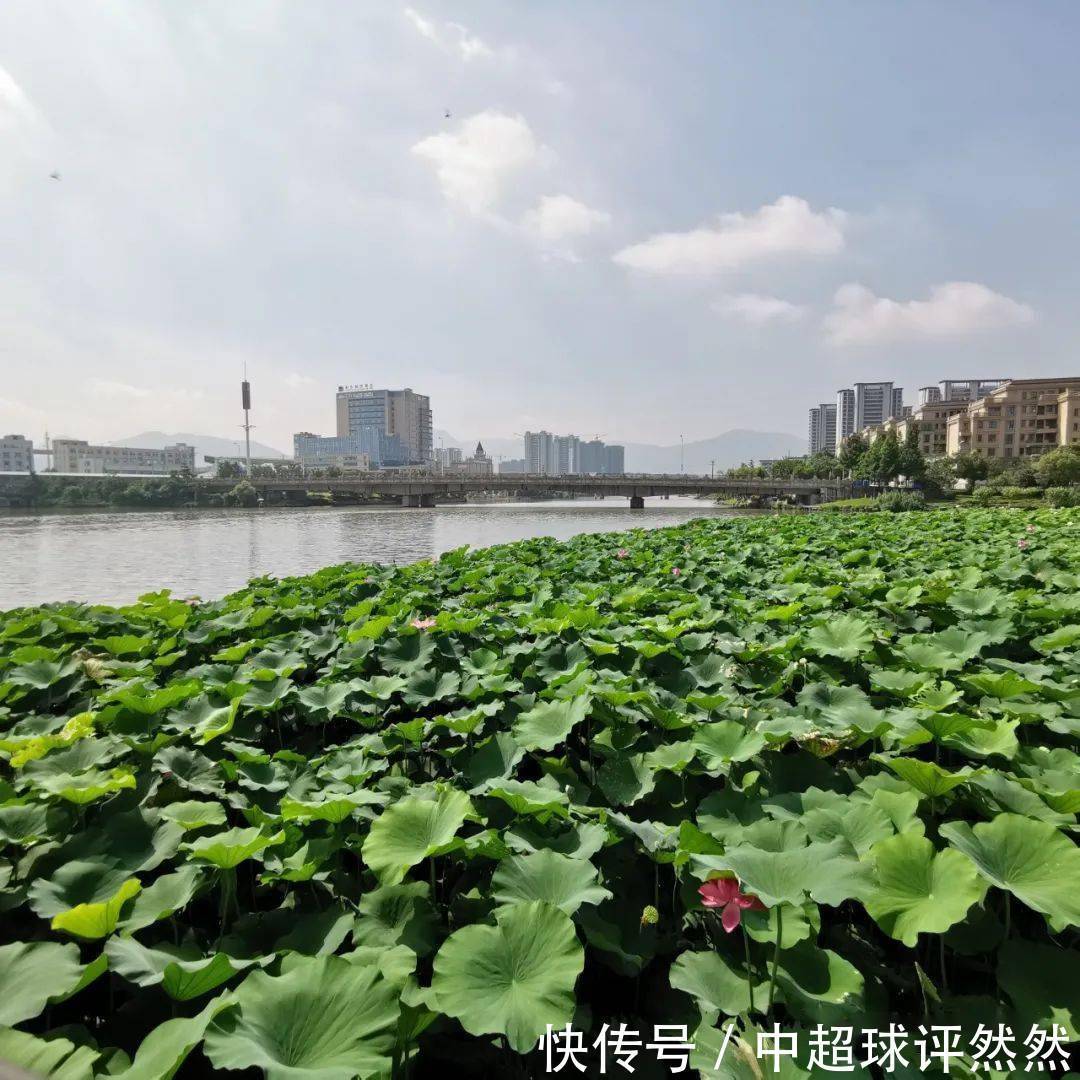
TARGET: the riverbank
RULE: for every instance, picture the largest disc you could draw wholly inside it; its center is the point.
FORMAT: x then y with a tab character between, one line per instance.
363	786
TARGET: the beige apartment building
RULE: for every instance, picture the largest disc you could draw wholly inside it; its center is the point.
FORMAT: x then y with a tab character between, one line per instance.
1022	418
931	419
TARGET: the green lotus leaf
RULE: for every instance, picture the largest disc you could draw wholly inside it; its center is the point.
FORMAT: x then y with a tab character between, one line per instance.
332	808
819	986
718	745
549	723
559	880
183	972
165	1049
494	759
626	778
325	699
412	830
143	698
775	877
1031	859
87	787
167	895
24	825
513	978
398	915
1064	637
528	797
194	814
927	778
32	973
226	850
1041	981
844	636
201	719
324	1018
715	985
96	919
55	1058
917	890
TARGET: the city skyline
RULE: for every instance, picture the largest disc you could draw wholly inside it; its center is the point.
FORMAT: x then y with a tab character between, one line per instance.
644	257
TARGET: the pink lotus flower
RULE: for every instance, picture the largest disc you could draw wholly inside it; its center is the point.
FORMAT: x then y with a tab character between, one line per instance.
724	894
1022	544
676	571
622	553
423	624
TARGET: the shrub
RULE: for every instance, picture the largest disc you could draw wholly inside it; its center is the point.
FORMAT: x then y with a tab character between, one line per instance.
982	496
1062	496
896	502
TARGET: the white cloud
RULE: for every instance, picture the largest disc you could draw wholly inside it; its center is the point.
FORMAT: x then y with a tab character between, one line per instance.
757	310
450	37
473	162
786	227
955	309
562	217
111	388
15	107
294	380
121	391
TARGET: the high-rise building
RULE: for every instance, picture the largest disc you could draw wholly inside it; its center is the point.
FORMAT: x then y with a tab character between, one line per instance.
968	389
845	414
480	464
822	433
874	402
897	402
448	457
540	457
567	455
591	461
511	465
16	454
401	413
614	460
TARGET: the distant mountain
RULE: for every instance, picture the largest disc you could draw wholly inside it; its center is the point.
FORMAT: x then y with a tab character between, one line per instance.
213	445
728	449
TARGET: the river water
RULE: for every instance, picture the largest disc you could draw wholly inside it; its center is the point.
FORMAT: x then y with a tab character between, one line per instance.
114	556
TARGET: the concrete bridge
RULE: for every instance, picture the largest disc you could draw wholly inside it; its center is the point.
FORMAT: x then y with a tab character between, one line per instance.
421	490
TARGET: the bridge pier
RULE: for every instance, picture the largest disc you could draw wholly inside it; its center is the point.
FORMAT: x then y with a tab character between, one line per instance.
637	502
418	501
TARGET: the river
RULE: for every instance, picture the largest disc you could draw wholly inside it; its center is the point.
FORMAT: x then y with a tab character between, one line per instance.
112	557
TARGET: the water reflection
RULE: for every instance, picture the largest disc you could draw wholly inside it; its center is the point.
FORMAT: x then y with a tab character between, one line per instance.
113	557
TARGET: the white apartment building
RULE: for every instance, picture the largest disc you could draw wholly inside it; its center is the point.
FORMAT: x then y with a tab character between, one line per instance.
16	454
80	456
876	402
845	414
822	429
540	456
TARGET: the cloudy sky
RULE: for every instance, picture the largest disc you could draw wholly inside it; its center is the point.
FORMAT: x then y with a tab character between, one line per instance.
642	220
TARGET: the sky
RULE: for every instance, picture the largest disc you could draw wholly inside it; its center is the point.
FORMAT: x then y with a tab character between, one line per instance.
639	220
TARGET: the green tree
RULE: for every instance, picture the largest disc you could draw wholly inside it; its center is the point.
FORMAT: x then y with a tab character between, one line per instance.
852	450
1060	467
970	467
883	461
938	478
912	462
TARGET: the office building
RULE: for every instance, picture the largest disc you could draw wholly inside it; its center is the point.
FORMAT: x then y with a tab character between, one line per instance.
368	449
1021	418
511	465
822	431
845	414
897	402
401	414
614	460
80	456
16	454
591	457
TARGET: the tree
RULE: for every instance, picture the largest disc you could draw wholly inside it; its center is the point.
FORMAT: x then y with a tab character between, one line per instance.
939	480
852	450
912	462
1060	467
882	462
970	467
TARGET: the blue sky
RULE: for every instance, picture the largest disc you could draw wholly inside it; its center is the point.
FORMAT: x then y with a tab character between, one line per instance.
642	220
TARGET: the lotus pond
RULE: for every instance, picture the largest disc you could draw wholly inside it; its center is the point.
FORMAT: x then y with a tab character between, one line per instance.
807	770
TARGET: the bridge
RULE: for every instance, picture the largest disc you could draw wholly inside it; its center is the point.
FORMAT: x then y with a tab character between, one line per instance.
422	490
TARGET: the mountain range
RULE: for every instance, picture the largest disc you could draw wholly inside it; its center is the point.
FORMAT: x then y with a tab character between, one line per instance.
724	451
